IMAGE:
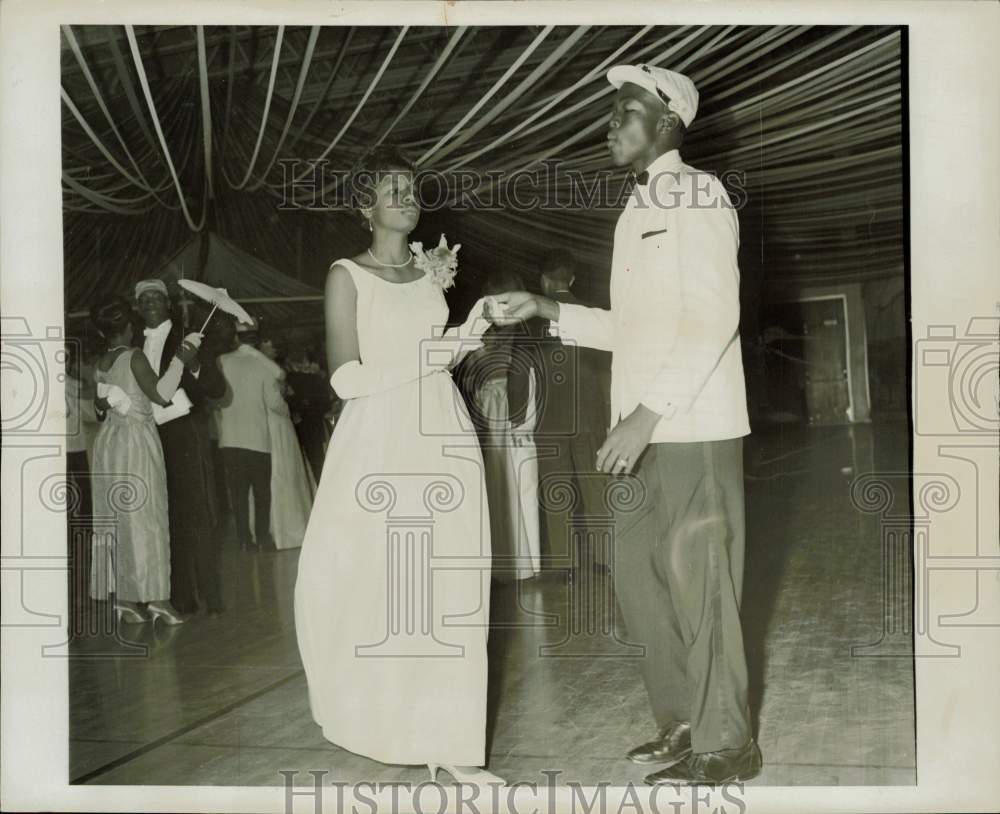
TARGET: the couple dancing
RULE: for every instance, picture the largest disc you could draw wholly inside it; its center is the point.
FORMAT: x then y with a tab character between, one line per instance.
394	646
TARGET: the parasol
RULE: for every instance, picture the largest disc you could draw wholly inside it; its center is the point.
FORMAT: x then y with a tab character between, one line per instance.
219	298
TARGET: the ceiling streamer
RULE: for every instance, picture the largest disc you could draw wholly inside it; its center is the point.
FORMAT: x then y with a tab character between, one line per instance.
485	97
206	110
361	103
137	57
303	72
99	99
267	108
808	119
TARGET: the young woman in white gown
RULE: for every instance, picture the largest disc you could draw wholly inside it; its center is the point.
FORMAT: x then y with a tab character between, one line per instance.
392	593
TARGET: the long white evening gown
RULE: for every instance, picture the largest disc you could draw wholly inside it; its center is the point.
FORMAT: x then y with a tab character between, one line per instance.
392	594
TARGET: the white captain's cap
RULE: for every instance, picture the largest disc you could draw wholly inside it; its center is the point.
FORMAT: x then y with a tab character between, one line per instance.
152	284
674	88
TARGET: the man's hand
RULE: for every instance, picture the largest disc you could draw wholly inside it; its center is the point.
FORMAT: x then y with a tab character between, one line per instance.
626	442
521	305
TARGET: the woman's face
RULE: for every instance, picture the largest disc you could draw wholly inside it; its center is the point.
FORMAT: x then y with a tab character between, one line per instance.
268	349
396	207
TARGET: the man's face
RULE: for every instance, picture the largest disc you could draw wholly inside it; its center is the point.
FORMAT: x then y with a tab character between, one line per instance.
154	308
632	128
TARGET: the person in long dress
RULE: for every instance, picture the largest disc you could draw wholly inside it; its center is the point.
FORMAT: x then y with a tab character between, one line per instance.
195	551
292	487
392	592
130	487
572	425
502	380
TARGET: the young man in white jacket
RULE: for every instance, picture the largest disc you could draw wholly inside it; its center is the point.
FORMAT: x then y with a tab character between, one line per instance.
678	417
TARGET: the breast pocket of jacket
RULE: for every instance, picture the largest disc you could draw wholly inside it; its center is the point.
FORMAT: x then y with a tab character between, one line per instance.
659	234
658	246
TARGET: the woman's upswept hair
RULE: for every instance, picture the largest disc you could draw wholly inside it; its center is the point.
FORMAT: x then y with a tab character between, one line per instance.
378	161
112	316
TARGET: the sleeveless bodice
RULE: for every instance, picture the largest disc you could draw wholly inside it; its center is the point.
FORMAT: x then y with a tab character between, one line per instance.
120	374
394	318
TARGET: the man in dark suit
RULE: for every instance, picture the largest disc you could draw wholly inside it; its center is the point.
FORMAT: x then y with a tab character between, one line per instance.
195	568
572	425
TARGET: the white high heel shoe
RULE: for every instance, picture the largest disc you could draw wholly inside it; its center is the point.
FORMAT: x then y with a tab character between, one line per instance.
129	615
166	612
478	777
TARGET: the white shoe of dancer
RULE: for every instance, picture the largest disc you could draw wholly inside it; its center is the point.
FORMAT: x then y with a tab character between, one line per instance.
475	777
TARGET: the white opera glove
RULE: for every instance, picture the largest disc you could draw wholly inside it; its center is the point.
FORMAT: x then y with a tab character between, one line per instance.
167	386
352	379
460	339
194	339
476	323
116	398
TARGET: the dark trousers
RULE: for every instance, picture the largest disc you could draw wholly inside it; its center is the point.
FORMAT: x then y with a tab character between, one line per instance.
79	527
678	580
312	437
221	487
570	490
195	562
248	469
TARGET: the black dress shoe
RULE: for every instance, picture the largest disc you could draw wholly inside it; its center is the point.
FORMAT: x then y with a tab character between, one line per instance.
214	613
672	745
711	768
248	546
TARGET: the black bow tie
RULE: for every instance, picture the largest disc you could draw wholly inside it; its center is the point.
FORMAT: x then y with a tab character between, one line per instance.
642	178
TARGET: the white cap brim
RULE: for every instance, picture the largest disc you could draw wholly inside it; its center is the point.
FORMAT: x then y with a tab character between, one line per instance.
620	74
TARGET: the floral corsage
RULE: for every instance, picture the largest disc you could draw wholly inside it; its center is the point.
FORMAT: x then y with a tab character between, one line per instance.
441	262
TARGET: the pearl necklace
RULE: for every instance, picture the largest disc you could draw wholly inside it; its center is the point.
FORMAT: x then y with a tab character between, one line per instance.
390	265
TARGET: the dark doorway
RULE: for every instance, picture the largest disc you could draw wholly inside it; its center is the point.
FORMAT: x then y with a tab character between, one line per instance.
807	363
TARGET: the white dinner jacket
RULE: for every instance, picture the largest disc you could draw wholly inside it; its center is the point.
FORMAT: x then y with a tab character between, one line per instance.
673	325
253	389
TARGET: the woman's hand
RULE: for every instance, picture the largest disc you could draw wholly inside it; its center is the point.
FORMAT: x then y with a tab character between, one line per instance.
187	353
